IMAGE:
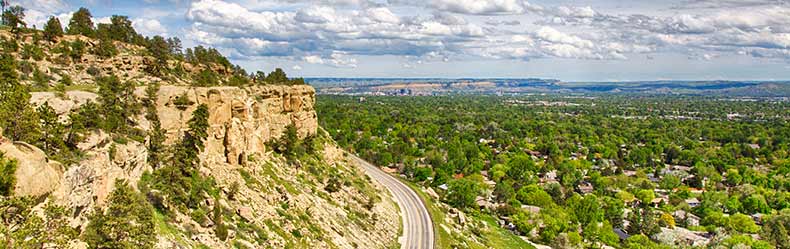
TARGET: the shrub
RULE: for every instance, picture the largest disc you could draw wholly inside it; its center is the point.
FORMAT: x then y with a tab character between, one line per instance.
7	177
32	51
182	102
77	49
199	216
126	223
205	78
105	49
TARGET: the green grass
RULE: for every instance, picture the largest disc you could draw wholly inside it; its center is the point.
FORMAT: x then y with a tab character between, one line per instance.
87	88
498	237
164	228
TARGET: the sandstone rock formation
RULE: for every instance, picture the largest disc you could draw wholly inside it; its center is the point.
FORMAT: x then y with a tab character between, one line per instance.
241	120
35	175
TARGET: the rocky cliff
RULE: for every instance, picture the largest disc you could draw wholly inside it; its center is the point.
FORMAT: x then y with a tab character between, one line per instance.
241	120
288	206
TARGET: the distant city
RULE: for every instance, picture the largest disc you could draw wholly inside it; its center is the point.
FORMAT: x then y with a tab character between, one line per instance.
510	86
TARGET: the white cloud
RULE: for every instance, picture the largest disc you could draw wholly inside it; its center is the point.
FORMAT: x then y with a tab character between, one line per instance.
149	27
477	7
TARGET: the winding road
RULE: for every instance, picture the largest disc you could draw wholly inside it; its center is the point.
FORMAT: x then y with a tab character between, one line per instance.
417	225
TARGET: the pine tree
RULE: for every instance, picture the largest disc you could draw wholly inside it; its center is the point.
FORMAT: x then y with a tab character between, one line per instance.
14	17
198	128
17	116
51	129
159	48
127	222
53	29
81	23
30	230
157	134
7	175
118	103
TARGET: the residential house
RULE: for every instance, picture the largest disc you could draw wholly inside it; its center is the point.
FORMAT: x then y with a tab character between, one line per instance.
585	188
692	202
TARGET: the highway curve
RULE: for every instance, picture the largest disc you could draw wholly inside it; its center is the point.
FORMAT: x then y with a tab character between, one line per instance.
417	225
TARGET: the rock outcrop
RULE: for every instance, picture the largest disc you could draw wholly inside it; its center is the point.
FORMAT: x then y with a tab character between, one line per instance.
35	175
241	121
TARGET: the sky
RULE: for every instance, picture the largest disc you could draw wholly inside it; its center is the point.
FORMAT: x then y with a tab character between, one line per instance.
583	40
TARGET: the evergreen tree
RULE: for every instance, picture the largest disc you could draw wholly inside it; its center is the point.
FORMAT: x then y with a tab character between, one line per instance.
17	116
51	129
105	49
120	29
7	175
277	76
157	134
25	228
175	47
220	229
180	179
14	17
198	128
127	222
53	29
81	23
118	103
777	229
160	50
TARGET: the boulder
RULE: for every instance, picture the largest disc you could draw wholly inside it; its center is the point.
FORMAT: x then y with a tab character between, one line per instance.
35	174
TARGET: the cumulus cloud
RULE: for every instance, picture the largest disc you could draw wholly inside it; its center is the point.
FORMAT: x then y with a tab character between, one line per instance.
149	27
483	7
39	11
325	31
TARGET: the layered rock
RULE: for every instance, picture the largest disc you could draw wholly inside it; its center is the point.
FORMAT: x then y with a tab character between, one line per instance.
241	121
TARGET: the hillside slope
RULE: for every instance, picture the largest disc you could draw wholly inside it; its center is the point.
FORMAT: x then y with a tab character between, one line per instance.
217	166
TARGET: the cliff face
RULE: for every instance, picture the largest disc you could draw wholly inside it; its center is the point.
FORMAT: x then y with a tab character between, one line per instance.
274	195
241	121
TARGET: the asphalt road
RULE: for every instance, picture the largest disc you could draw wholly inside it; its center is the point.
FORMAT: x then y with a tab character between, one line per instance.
417	226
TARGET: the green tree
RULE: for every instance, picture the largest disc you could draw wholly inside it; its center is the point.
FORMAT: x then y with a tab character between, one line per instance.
118	103
586	210
277	76
742	223
156	138
17	116
53	29
77	50
777	229
119	29
220	229
524	221
206	77
642	221
756	204
14	17
52	130
7	175
461	193
127	222
81	23
613	210
158	48
521	170
180	179
105	48
198	127
24	228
